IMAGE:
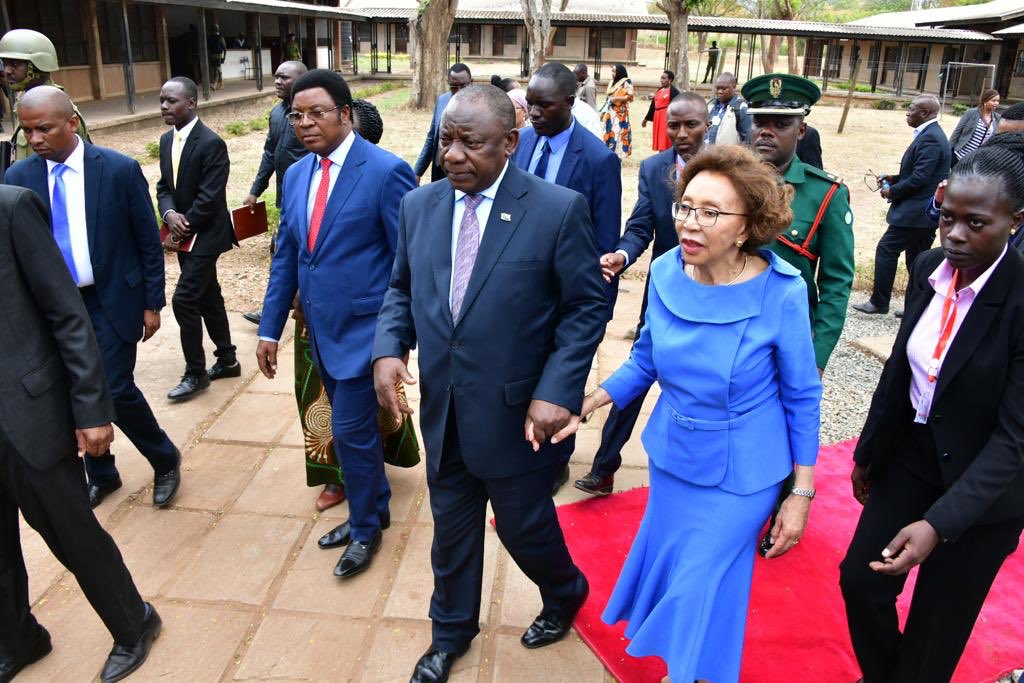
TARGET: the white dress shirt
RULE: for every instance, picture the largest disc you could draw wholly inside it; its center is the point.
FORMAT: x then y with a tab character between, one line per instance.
917	130
337	158
483	212
74	197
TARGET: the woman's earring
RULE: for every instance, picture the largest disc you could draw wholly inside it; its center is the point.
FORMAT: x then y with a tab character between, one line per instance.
739	243
1013	231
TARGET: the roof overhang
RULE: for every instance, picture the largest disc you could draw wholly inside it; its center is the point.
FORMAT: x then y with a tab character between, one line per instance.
265	7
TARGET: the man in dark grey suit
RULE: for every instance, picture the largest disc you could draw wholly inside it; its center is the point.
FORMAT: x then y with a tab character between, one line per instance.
55	404
925	164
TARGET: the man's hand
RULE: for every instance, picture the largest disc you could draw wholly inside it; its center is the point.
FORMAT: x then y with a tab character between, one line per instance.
861	485
544	420
885	192
94	441
298	315
178	226
643	124
150	323
387	373
911	546
266	358
611	265
250	201
940	192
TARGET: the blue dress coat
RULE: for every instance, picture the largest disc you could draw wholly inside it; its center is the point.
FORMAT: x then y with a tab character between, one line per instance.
738	407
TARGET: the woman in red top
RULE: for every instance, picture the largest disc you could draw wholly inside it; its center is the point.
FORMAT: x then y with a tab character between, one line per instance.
659	111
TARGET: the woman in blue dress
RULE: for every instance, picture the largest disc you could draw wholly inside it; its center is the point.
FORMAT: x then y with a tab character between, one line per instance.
728	339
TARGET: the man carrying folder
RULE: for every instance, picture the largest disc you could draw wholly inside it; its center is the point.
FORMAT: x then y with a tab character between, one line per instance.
191	193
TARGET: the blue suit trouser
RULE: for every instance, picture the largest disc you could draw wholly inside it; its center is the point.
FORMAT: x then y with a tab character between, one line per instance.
359	450
527	526
619	426
134	416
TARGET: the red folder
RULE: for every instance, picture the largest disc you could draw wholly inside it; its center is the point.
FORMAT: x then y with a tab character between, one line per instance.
249	223
169	241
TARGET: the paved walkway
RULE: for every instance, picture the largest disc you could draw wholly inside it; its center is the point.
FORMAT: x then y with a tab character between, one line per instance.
233	565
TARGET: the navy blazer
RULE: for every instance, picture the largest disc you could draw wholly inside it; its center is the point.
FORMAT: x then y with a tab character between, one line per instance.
976	417
531	320
593	170
344	279
124	242
925	164
652	219
429	151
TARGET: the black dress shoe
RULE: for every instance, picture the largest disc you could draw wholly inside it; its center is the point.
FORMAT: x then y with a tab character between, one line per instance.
98	493
9	668
342	534
165	486
563	477
224	370
253	316
357	556
551	626
595	485
870	308
435	666
190	386
123	660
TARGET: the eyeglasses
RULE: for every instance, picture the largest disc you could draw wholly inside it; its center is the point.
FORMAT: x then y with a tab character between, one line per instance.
706	218
294	117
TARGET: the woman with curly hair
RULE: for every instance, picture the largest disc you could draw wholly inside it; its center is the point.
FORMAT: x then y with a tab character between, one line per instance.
727	337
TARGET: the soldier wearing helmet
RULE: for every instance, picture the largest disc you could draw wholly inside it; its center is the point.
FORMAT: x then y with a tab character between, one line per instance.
29	58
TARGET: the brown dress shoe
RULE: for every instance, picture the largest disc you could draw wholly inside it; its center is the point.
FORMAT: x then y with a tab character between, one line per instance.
331	495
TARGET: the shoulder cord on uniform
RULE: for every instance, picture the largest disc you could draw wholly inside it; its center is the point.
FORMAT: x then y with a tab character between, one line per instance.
802	249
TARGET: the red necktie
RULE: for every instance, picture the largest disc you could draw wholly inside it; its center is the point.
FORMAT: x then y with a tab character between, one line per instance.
320	204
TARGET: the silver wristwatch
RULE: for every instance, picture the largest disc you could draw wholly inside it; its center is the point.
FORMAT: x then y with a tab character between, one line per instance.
806	493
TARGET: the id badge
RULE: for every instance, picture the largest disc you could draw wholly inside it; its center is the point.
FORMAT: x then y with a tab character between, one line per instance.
716	120
924	404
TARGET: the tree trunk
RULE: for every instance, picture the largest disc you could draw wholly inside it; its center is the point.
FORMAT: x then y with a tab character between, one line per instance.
678	13
428	50
549	44
794	66
537	17
769	53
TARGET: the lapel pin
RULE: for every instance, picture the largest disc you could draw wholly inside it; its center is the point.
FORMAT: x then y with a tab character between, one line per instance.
506	217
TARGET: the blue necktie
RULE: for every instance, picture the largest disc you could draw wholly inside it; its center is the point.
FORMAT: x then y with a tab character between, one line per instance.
59	217
542	165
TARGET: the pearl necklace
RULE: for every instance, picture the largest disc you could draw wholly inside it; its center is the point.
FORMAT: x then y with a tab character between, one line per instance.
693	274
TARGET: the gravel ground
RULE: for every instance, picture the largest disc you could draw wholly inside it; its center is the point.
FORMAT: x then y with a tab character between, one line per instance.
851	375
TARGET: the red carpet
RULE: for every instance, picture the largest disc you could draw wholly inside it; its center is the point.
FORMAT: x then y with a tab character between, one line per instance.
797	627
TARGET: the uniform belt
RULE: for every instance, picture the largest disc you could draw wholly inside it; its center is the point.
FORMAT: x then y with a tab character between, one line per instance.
693	423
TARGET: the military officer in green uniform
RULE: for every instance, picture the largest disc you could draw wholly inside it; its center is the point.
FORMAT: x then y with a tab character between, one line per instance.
29	59
217	51
819	242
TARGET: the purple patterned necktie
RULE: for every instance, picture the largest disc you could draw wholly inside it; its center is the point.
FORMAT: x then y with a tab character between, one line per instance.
465	252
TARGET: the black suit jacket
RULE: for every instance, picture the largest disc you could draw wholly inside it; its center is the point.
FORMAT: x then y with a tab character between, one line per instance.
531	320
977	417
199	192
51	380
651	219
808	149
925	164
124	243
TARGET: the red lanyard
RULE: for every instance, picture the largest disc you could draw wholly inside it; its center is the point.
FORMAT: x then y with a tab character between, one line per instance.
945	327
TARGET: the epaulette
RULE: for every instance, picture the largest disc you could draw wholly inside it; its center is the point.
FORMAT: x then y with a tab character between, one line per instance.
825	175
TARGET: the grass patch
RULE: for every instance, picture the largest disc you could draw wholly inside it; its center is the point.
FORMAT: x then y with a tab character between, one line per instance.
959	108
259	123
236	128
886	105
379	89
153	149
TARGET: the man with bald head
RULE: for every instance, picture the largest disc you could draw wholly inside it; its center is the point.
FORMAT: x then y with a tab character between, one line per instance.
103	222
496	280
911	230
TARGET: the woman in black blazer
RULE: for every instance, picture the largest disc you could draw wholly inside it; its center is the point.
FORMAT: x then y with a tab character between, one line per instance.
940	463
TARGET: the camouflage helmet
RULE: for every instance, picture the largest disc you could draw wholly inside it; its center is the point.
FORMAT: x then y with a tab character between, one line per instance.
29	46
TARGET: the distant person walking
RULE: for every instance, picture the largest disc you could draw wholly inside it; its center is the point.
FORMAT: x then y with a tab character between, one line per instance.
714	52
615	113
586	89
658	112
976	126
217	51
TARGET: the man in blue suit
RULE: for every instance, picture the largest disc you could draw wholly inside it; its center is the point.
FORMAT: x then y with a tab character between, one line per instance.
459	77
651	221
561	151
496	280
103	221
336	244
925	164
558	150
